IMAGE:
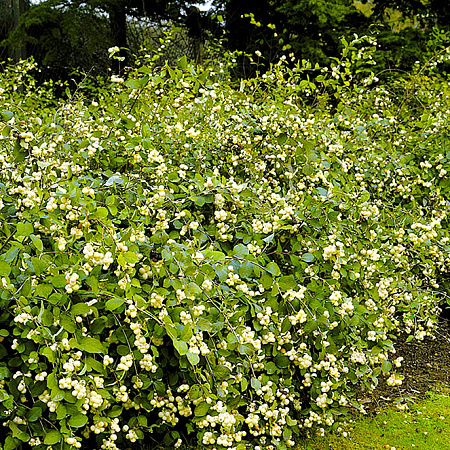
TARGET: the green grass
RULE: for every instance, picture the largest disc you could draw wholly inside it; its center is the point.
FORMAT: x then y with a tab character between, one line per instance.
425	426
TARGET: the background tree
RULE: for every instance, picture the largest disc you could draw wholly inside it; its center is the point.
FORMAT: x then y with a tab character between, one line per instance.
312	29
63	35
67	34
429	12
10	12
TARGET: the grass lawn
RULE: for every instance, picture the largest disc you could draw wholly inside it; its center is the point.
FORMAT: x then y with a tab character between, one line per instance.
425	426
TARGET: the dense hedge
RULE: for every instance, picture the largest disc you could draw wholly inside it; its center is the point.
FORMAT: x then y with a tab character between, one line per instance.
186	259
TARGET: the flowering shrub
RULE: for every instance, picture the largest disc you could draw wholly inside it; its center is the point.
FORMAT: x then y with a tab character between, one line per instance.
184	258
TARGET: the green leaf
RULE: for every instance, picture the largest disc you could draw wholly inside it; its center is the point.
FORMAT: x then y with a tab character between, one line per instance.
193	358
18	433
19	152
34	414
266	280
5	268
11	443
4	396
67	323
291	422
282	361
52	381
310	326
43	290
181	347
123	350
308	169
77	421
273	268
52	437
201	409
192	289
308	257
79	309
246	269
286	325
287	433
221	372
46	318
115	179
98	325
7	115
24	229
59	281
11	254
282	138
137	84
26	288
101	213
182	62
114	303
255	383
142	421
195	392
93	364
39	266
131	258
92	345
269	238
61	412
287	282
386	366
94	284
245	349
270	367
215	256
115	411
49	354
240	250
170	328
203	324
322	192
187	333
6	131
37	242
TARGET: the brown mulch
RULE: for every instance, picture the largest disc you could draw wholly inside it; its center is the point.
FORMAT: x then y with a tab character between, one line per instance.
426	368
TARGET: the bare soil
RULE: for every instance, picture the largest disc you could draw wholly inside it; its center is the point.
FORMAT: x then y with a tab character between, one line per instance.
426	367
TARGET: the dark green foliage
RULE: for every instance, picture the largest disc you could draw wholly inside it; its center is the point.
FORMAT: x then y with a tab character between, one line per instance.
75	35
63	39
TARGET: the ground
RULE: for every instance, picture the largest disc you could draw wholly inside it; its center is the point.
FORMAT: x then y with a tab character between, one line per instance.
426	368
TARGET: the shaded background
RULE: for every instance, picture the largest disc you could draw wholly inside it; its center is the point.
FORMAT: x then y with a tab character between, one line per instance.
67	36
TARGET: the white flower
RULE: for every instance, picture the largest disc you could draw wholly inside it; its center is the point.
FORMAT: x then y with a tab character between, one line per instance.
116	79
113	50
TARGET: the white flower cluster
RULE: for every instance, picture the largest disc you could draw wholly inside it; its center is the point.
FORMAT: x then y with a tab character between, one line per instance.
72	282
126	362
23	318
334	250
394	380
148	364
197	345
94	257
